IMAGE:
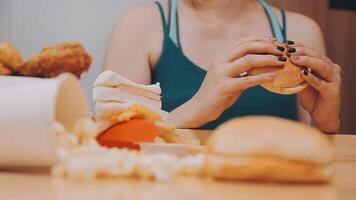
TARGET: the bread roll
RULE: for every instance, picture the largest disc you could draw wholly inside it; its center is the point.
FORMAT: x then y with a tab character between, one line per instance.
262	148
287	80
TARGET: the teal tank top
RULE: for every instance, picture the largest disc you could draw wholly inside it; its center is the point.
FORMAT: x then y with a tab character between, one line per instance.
180	78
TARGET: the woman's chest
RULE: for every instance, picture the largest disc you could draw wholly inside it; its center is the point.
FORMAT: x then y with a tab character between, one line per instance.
201	43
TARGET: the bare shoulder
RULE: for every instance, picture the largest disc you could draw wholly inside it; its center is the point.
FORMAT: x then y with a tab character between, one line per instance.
142	17
136	41
304	29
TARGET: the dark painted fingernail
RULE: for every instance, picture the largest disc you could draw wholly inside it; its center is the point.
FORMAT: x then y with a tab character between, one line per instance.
289	42
281	48
305	72
282	58
291	50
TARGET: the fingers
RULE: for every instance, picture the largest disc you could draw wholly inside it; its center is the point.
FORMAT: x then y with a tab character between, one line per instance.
302	51
316	64
250	61
314	81
253	48
238	84
294	43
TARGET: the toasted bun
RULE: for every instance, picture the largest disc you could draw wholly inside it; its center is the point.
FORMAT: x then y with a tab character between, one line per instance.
266	169
271	136
287	80
262	148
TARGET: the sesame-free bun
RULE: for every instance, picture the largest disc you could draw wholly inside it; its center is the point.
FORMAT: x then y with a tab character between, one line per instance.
262	148
287	80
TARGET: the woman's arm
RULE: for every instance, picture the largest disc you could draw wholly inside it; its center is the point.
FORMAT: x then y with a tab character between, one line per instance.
135	43
322	98
302	28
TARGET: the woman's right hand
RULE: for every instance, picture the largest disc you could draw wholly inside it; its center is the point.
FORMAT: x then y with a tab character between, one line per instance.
223	84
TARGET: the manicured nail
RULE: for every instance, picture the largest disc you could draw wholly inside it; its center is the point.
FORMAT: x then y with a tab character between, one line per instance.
305	72
282	58
291	50
281	48
289	42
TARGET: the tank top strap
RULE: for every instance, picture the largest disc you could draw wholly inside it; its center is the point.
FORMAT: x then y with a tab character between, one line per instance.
277	30
163	18
284	25
173	29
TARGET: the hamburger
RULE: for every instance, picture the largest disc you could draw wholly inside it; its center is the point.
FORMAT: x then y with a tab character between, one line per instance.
269	149
287	80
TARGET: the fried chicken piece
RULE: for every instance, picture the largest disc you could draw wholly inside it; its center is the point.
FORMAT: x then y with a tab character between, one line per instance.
10	59
4	70
54	60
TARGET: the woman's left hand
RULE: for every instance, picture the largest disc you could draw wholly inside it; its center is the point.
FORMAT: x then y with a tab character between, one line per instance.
322	97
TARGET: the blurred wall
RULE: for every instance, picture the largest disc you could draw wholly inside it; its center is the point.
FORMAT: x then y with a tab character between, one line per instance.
30	25
339	28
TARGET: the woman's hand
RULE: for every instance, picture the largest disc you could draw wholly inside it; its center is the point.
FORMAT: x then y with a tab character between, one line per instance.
322	97
223	84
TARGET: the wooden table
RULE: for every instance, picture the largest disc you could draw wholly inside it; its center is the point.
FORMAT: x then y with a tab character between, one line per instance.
39	185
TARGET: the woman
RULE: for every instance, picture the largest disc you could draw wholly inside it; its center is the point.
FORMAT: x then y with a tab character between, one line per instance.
203	48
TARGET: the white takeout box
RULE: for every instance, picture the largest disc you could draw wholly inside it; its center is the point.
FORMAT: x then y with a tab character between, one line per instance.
28	108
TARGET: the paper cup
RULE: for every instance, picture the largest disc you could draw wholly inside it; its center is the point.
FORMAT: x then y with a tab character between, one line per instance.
28	108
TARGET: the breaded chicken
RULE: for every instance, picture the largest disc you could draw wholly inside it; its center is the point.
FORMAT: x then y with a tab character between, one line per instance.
10	59
4	70
54	60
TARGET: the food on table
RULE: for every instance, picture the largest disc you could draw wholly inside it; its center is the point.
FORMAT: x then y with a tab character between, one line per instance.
287	80
260	149
50	62
10	59
193	165
82	158
120	103
110	113
115	95
56	59
115	118
125	134
269	149
112	87
85	129
4	70
167	133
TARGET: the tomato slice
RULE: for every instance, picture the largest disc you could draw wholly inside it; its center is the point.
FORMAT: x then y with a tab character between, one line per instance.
126	134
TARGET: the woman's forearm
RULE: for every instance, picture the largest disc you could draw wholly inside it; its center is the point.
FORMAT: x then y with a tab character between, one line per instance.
332	125
188	115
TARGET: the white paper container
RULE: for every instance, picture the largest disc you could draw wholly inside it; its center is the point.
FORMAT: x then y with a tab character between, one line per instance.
28	108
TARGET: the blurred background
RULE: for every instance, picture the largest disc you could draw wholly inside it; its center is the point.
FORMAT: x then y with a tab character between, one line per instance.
30	25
